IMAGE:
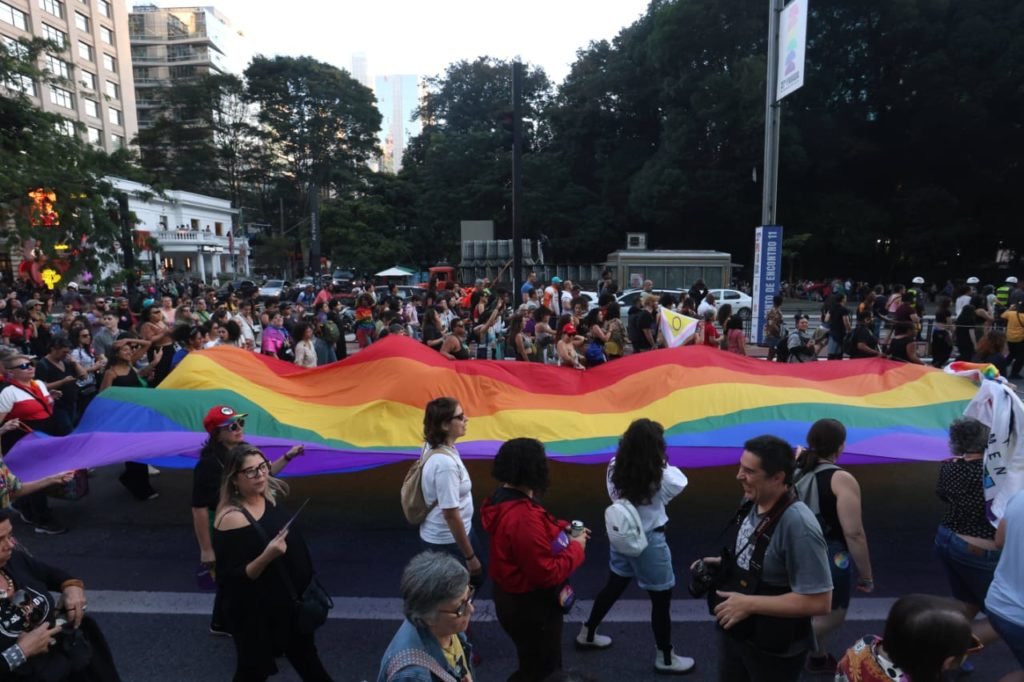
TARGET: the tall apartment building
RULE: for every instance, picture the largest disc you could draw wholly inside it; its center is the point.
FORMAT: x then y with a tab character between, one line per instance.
397	99
176	44
95	65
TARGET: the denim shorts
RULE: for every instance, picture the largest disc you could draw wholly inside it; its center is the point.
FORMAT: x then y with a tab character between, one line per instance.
970	572
1012	633
652	569
840	563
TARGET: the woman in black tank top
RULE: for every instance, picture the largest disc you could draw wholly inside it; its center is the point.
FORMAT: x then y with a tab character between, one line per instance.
839	513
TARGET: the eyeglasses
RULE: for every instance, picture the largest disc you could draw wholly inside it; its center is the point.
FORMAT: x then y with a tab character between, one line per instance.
24	365
976	645
463	606
461	417
236	425
255	472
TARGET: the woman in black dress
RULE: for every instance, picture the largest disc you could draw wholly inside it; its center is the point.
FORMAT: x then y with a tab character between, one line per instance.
121	372
260	565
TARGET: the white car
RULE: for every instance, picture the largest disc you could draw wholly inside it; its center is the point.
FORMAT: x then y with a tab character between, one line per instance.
272	288
742	305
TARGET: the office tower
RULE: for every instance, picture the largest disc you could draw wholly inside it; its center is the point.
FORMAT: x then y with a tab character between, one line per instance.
95	64
177	44
361	69
397	99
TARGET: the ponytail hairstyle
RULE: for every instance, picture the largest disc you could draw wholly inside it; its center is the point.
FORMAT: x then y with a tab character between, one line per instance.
824	441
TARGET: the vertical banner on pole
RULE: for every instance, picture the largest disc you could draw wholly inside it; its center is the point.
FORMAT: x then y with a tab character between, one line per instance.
314	233
792	47
767	276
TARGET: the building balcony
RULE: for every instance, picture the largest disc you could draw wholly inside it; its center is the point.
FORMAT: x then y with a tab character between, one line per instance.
197	241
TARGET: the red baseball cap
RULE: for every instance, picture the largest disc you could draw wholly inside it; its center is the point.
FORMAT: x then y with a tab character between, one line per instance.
219	417
569	329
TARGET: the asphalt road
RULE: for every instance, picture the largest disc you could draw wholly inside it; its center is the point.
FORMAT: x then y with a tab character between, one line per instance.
138	561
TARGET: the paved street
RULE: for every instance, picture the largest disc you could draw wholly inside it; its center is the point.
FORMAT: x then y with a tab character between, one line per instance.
138	561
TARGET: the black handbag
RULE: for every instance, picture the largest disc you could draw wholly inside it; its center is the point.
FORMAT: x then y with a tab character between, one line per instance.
310	609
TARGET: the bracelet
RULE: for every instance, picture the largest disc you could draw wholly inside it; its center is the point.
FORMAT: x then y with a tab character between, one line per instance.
865	581
288	459
471	556
14	656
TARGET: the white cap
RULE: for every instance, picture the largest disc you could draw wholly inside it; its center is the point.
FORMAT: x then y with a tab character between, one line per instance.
72	285
1011	280
973	280
918	280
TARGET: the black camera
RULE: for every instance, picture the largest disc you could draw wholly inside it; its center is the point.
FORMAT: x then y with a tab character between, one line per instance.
704	577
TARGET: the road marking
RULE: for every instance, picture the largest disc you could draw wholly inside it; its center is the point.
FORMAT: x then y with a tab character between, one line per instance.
384	608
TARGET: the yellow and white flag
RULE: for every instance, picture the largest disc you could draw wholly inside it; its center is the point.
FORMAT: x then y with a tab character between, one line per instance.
676	328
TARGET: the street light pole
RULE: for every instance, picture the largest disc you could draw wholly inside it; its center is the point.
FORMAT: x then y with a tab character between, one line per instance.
517	181
772	118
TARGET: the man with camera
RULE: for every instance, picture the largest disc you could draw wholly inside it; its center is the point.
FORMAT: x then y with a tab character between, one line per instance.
764	592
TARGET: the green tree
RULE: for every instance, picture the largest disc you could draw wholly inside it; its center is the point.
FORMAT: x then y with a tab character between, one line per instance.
40	150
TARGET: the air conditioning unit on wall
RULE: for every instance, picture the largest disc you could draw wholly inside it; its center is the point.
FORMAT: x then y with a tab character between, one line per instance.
636	241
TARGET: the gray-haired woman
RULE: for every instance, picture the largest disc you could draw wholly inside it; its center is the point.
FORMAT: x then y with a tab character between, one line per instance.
430	644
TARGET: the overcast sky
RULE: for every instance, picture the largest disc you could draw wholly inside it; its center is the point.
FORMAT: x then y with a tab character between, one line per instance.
422	38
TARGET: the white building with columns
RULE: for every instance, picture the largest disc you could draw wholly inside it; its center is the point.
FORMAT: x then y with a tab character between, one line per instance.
193	233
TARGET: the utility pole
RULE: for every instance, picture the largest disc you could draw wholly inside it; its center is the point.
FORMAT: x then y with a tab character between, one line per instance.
517	183
127	241
772	119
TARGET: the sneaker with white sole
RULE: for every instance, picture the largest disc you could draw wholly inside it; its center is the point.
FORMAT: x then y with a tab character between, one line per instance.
680	665
598	642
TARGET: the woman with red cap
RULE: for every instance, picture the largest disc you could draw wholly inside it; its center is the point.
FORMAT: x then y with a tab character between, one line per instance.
226	429
566	345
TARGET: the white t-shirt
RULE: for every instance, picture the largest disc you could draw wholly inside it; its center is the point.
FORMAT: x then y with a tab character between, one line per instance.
1006	594
706	306
446	481
551	292
961	301
653	515
566	302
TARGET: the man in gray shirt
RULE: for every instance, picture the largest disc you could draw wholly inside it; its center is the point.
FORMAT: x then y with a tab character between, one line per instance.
764	615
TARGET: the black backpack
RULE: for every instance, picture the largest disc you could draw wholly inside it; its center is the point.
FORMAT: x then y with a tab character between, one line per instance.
805	484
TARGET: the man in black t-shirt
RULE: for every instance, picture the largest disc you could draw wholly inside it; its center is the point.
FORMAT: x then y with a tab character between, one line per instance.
838	326
646	332
865	345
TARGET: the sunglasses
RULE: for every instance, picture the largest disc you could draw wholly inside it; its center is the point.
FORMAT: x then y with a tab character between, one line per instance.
236	425
463	607
24	365
461	417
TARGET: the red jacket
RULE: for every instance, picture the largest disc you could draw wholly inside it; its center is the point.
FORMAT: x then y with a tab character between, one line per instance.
529	548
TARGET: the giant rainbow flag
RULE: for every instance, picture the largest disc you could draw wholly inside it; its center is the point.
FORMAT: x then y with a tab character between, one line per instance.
367	411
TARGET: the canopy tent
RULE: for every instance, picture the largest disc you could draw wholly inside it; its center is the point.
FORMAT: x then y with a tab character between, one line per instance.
394	272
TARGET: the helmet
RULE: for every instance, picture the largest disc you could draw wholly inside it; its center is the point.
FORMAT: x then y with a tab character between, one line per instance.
1011	280
973	280
917	280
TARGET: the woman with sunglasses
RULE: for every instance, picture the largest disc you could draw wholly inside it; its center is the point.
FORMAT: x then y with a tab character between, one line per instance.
121	372
226	429
262	562
431	642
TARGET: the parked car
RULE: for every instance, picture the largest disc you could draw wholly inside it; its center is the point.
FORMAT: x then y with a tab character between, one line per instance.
243	287
343	279
273	288
627	297
741	303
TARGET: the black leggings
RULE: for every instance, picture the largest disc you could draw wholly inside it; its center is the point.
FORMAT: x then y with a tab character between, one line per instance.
300	651
661	602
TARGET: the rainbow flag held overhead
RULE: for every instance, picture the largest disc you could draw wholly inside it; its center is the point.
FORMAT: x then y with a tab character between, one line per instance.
367	410
676	328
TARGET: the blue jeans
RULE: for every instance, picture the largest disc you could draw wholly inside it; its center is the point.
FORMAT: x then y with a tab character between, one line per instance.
652	569
1012	633
969	570
451	548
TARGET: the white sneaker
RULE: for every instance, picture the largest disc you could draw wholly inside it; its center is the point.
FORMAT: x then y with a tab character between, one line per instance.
599	641
680	664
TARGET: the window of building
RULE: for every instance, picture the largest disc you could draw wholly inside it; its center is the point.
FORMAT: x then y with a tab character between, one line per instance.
88	80
15	48
81	22
95	136
109	63
92	108
85	51
112	90
114	116
106	35
13	16
62	97
22	83
104	8
54	7
58	67
55	35
117	142
65	127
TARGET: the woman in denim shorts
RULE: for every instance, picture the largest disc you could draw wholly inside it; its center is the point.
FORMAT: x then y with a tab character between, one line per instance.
965	540
641	474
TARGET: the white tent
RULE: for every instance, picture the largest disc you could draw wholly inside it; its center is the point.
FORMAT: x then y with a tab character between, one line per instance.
394	272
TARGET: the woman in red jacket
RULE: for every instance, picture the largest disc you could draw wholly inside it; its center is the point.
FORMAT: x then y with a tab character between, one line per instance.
532	556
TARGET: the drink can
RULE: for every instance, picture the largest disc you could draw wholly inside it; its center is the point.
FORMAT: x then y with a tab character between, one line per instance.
576	529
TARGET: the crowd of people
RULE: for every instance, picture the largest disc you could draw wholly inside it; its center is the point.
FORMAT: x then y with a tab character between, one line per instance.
777	594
